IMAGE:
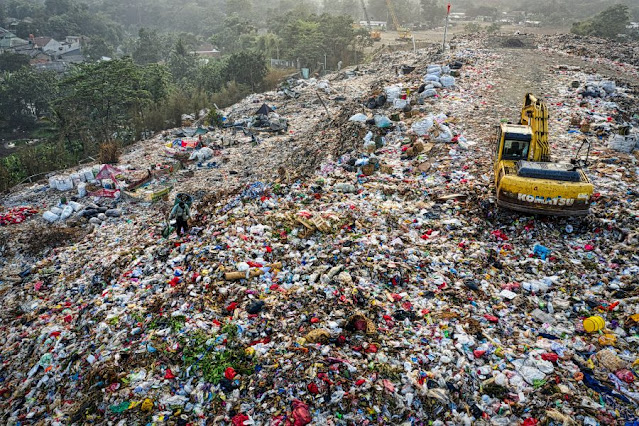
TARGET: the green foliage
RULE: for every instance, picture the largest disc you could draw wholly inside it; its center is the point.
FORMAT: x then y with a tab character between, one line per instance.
25	96
177	323
246	68
97	48
148	47
33	160
493	28
310	37
230	94
433	12
236	34
214	118
210	76
610	23
481	10
199	353
13	61
472	27
182	64
100	101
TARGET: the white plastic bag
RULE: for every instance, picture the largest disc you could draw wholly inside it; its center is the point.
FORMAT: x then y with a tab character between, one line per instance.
447	81
392	93
66	212
359	118
400	103
422	127
445	135
50	217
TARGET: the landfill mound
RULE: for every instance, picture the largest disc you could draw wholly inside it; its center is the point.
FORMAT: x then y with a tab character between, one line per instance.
346	263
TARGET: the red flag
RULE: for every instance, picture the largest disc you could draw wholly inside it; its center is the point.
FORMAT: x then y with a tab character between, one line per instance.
448	9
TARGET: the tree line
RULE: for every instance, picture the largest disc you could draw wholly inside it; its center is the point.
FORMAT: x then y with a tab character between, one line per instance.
153	84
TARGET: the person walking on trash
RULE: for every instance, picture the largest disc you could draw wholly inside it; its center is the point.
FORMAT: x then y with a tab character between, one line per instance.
182	213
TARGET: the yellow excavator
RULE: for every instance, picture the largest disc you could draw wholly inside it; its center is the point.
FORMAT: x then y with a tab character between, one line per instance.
403	34
374	34
525	178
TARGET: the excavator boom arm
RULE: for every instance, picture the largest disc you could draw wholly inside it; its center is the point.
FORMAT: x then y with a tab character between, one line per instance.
535	114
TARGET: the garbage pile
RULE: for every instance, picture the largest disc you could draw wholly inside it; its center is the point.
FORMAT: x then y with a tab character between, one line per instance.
16	215
353	271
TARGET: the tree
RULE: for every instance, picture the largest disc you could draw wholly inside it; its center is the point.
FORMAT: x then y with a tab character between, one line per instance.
58	7
476	11
157	81
610	23
148	48
472	27
13	61
100	102
247	68
97	48
25	96
182	64
433	12
236	34
210	77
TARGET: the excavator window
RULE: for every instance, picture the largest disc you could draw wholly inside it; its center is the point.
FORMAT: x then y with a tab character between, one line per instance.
515	150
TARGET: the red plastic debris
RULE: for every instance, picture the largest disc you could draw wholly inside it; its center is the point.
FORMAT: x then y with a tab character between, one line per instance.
625	375
169	374
360	382
301	414
312	388
491	318
16	215
550	357
231	307
230	373
499	235
239	419
478	353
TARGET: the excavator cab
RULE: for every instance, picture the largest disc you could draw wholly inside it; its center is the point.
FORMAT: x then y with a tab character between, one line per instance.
525	178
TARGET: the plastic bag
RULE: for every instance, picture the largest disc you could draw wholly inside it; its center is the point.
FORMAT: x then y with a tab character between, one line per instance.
400	103
383	122
66	212
623	143
422	127
445	135
202	154
50	217
430	77
429	93
82	189
434	69
392	93
608	86
360	118
447	81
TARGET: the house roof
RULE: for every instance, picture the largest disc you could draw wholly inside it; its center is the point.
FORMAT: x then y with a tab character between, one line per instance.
42	41
6	33
8	42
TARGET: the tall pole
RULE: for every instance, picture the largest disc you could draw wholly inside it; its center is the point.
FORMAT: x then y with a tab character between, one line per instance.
446	29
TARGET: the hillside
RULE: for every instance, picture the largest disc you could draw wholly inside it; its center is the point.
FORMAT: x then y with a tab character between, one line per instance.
337	277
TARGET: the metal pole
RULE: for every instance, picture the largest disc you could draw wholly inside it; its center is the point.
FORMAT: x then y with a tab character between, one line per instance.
445	33
414	47
446	28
